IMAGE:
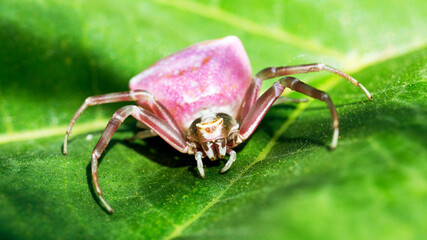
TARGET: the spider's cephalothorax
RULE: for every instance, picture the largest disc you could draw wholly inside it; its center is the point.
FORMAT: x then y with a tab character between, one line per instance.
176	90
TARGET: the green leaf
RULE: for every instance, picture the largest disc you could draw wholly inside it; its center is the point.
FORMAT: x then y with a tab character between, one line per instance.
285	183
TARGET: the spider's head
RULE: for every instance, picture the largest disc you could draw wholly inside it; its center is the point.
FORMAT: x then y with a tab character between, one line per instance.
213	132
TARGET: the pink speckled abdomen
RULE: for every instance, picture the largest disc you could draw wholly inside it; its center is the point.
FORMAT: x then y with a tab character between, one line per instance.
213	74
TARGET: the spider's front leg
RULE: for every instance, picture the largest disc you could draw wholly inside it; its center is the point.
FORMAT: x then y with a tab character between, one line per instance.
158	125
143	97
261	106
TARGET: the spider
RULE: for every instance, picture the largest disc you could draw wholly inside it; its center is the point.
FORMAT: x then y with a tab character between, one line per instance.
203	101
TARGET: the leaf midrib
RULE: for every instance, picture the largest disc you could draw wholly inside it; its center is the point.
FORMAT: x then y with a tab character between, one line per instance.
52	131
274	33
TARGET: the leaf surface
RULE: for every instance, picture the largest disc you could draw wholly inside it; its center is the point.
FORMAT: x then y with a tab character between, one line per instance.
284	184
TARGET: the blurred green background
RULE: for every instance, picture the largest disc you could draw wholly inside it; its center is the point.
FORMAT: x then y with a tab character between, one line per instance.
285	183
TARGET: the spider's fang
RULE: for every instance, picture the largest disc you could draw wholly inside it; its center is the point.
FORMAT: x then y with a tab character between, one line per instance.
200	164
221	147
229	162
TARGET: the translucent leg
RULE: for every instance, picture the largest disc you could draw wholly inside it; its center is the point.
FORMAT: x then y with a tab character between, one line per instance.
272	72
282	100
142	135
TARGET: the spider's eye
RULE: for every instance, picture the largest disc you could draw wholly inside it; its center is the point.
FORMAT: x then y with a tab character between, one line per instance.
208	129
213	129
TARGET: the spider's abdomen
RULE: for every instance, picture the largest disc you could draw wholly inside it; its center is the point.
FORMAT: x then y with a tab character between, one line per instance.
213	74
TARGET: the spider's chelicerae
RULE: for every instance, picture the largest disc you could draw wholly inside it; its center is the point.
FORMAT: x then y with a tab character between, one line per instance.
203	101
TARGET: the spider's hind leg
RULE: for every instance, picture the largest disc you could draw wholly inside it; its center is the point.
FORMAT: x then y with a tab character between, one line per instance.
142	135
282	100
272	72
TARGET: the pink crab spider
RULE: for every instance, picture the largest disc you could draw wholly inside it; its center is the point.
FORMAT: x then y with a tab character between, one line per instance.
203	101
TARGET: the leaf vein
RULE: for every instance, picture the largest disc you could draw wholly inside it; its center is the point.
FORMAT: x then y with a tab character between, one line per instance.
252	27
